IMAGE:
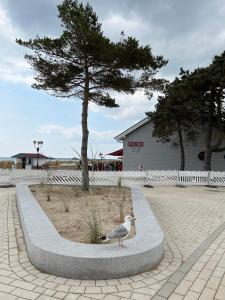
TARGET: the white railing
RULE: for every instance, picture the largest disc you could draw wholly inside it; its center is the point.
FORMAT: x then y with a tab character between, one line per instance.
149	177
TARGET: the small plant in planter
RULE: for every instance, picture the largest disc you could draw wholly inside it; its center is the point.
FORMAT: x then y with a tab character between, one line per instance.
122	206
119	182
48	196
66	205
94	222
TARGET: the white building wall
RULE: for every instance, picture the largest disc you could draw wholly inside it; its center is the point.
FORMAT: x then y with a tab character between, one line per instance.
41	161
163	156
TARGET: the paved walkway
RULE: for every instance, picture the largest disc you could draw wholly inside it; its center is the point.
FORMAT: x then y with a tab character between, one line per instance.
193	267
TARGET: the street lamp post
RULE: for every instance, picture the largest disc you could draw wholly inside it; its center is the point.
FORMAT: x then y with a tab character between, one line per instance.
38	145
101	157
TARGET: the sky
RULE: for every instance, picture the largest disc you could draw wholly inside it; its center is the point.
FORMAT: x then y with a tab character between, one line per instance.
187	33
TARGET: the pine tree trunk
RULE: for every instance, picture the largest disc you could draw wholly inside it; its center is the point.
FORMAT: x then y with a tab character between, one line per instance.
181	146
84	145
208	149
208	157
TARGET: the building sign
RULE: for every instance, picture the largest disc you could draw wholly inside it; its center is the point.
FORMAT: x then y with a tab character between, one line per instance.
135	144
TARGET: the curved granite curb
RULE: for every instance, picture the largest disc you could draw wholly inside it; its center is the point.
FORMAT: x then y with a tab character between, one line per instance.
51	253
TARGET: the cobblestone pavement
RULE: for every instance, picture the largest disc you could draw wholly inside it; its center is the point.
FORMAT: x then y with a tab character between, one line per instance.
193	267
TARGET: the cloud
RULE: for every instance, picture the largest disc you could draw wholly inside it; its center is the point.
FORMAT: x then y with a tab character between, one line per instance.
182	31
132	25
76	132
34	17
132	107
54	129
12	64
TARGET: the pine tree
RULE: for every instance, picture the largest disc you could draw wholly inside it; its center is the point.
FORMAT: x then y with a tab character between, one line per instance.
175	116
83	63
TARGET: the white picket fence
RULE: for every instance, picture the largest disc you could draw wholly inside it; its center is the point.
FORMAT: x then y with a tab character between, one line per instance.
149	177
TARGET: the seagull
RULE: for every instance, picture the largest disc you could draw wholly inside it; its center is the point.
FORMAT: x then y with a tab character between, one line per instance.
120	233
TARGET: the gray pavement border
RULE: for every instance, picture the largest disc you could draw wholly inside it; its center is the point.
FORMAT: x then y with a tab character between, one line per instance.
172	282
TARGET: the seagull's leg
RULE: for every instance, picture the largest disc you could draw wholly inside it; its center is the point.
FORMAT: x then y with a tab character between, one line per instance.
122	244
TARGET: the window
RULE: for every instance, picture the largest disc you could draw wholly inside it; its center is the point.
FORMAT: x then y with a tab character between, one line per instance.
201	155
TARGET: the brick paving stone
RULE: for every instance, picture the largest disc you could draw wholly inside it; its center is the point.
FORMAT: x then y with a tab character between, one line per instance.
213	282
60	295
44	297
109	289
112	281
125	280
223	280
23	285
110	297
191	296
137	296
166	290
73	282
93	290
84	298
6	280
49	292
96	296
205	274
191	275
220	295
198	266
25	294
175	296
198	285
39	290
207	294
6	288
219	272
146	291
87	283
4	296
50	285
77	289
100	283
39	282
71	297
138	284
62	288
126	294
124	287
183	287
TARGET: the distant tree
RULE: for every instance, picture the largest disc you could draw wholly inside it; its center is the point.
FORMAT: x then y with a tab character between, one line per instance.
83	63
174	117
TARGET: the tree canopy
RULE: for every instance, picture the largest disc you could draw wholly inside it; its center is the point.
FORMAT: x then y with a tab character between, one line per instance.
175	115
207	86
194	102
83	63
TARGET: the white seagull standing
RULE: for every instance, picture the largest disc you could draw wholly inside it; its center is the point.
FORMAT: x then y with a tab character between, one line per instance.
120	233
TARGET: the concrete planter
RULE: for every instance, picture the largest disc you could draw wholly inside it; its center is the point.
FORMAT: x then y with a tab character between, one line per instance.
53	254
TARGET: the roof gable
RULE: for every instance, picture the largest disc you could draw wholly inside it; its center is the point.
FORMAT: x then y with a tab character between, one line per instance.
122	135
29	155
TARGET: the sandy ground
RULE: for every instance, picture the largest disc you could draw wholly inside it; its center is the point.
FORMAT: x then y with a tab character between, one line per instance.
112	204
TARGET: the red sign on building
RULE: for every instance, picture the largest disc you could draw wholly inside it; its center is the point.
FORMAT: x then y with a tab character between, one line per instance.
135	144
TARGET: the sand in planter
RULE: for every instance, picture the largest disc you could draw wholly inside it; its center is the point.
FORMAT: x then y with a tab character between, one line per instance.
113	204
